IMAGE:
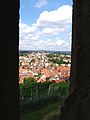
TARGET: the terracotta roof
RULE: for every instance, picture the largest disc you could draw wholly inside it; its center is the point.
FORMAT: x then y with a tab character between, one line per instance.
23	76
54	72
21	70
46	72
64	68
25	63
58	81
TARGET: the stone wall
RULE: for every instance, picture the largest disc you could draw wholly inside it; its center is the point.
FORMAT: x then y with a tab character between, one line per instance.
77	105
9	39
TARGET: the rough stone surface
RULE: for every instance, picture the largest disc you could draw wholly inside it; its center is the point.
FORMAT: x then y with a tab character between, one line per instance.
77	105
9	39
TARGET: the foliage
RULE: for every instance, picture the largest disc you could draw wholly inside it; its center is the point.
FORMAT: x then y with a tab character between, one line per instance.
27	88
20	63
63	90
23	54
52	65
50	55
35	95
57	61
33	60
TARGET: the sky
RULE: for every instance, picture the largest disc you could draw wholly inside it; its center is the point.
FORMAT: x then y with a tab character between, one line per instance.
45	25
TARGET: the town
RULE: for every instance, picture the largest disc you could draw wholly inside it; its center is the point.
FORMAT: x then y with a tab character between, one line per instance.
43	66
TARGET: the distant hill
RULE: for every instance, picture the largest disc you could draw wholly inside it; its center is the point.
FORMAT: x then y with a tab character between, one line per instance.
46	51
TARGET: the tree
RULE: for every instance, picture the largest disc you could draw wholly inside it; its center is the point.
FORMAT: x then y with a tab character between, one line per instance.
27	88
63	90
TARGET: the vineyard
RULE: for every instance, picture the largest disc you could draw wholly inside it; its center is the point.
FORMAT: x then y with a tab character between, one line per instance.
35	95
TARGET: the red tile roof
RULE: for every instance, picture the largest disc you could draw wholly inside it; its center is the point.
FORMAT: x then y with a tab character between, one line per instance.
46	72
58	81
54	72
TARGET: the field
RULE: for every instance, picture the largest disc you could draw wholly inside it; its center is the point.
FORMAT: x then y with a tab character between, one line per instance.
49	112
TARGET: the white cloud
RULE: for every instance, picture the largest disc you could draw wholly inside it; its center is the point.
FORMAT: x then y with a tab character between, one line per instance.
20	20
56	21
26	28
52	31
47	45
41	3
60	42
62	13
49	24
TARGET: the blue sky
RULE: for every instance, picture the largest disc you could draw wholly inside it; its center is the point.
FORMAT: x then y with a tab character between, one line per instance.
45	25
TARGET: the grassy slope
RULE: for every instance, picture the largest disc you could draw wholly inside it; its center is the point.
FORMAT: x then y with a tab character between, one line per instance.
51	110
